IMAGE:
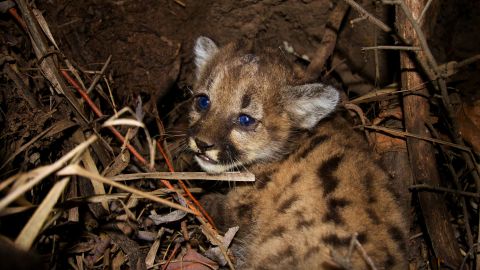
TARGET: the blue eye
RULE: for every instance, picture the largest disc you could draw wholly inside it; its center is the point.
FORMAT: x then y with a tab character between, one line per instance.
245	120
203	102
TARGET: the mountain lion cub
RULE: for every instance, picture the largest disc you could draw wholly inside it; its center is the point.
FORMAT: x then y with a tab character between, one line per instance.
317	185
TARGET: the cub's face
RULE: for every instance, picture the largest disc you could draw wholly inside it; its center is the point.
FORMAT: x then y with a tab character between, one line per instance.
245	107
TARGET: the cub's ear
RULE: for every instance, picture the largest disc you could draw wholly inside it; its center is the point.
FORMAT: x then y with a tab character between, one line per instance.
204	50
309	103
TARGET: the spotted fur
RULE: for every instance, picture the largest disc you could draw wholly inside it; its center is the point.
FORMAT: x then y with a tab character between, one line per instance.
316	186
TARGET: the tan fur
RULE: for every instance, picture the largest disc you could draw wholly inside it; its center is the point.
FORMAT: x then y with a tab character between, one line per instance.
314	189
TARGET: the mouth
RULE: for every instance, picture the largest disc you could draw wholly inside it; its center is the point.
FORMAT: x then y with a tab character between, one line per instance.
205	158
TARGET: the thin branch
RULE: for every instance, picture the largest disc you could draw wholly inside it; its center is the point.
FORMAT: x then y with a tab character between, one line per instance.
386	47
443	189
369	16
424	11
400	133
228	176
329	40
77	170
98	76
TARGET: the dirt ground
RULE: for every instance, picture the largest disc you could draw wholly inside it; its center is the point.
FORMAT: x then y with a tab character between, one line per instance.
151	41
151	47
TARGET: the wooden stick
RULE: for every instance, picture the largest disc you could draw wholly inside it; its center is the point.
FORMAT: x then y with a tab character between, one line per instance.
329	40
443	189
77	170
421	153
228	176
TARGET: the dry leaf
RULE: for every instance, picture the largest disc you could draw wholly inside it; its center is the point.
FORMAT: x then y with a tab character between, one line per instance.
170	217
192	260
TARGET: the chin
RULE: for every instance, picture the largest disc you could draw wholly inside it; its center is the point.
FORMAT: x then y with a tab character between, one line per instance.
213	168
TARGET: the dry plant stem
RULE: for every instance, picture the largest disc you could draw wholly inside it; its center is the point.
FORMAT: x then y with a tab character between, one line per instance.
217	242
424	11
84	94
398	48
77	170
175	249
450	68
48	64
117	196
134	151
365	255
365	14
97	111
185	188
404	134
34	225
43	172
421	153
443	189
468	61
183	226
89	164
228	176
137	155
361	115
329	40
99	75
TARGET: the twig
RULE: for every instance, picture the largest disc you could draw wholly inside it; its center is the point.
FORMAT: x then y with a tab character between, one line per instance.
386	93
386	47
98	76
452	67
424	11
42	172
180	3
77	170
361	115
177	246
34	225
443	189
97	111
369	16
471	252
328	43
228	176
407	134
204	213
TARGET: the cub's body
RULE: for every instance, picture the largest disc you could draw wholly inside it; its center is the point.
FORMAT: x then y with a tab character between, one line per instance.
316	184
